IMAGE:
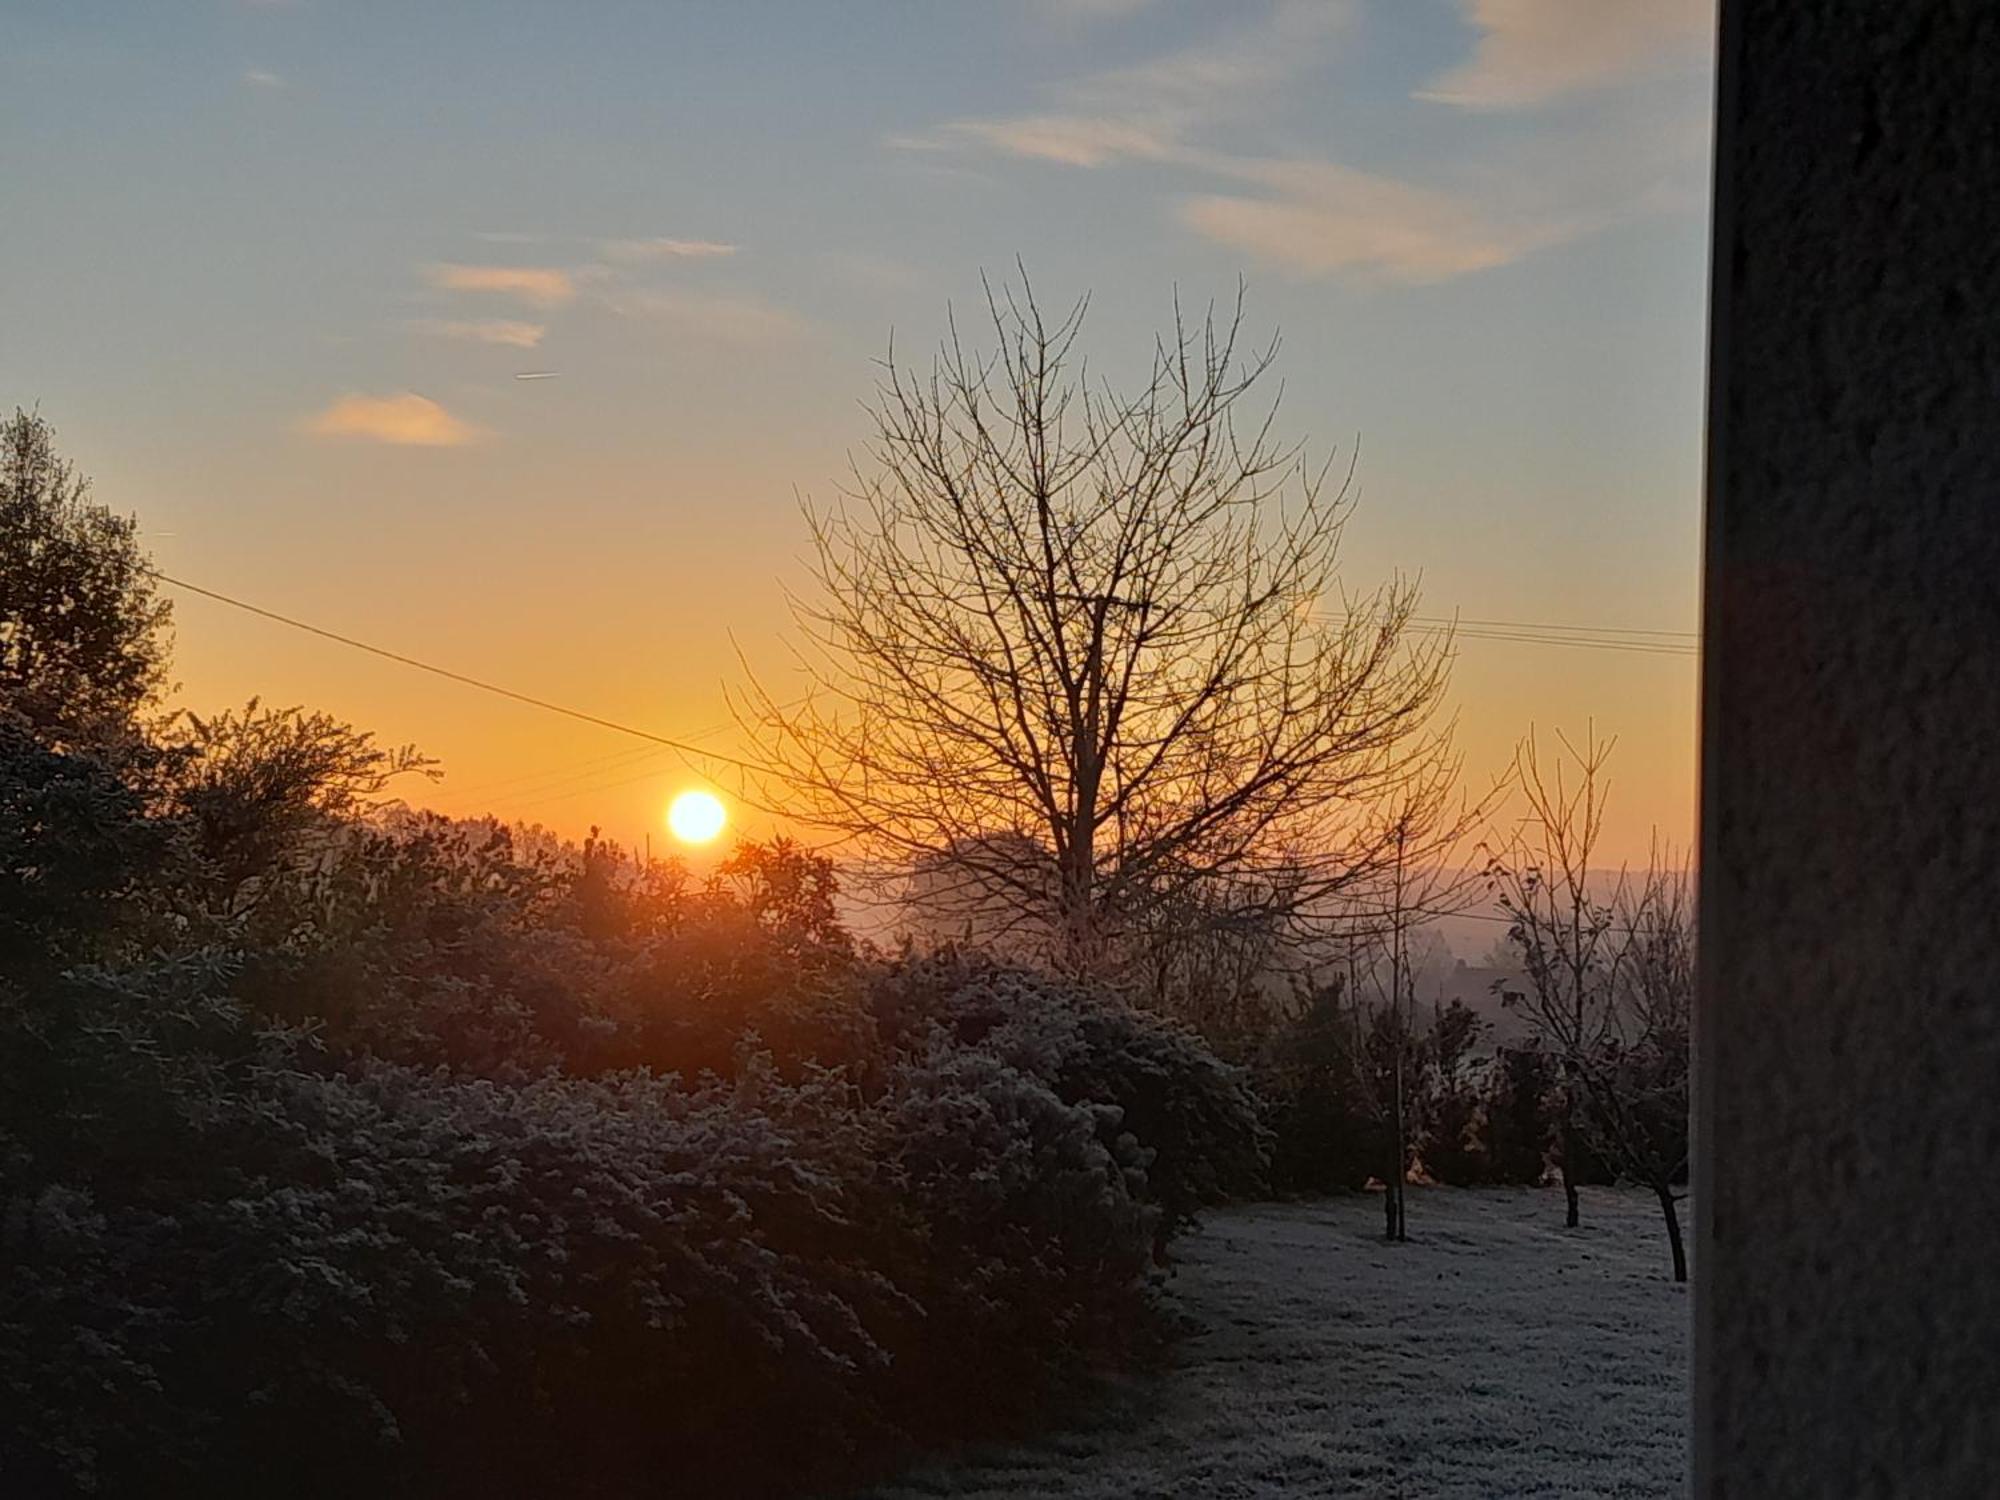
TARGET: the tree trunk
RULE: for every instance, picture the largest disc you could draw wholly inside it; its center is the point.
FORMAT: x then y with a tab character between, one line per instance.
1569	1177
1399	1230
1671	1214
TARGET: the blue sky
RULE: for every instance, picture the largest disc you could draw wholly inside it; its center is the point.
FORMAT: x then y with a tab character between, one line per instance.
272	267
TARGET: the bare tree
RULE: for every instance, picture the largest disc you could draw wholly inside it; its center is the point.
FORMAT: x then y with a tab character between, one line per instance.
1424	880
1637	1085
1608	979
1562	932
1079	655
1215	957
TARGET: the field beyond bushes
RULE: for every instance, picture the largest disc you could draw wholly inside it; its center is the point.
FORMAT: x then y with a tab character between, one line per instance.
1496	1353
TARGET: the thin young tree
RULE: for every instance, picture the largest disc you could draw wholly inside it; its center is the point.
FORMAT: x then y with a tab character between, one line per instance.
1564	935
1637	1084
1425	879
1080	656
1610	983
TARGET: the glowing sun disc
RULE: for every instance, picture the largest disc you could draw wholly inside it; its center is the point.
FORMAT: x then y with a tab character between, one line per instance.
696	817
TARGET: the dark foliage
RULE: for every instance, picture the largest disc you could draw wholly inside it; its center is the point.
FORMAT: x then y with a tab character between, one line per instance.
75	853
83	634
1518	1125
1325	1138
362	1154
1448	1115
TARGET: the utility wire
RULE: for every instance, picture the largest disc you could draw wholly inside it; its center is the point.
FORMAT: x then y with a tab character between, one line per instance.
551	779
526	780
682	746
1686	635
1641	648
592	789
1494	630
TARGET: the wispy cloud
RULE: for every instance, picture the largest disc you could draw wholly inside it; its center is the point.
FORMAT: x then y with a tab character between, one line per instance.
1319	219
263	79
1153	109
663	249
405	419
1072	140
1532	52
507	331
540	286
1091	10
1486	206
721	317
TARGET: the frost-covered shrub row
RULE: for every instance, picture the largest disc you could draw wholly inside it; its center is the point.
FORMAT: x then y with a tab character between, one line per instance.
1194	1120
261	1269
428	1165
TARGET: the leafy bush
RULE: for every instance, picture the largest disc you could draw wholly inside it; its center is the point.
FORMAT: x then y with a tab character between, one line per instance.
1448	1138
1516	1128
1155	1083
366	1192
257	1270
1324	1138
350	1152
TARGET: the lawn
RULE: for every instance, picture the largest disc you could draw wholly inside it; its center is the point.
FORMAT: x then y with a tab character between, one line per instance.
1495	1354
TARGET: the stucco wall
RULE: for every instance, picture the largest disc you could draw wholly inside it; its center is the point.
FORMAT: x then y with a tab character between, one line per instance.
1848	1251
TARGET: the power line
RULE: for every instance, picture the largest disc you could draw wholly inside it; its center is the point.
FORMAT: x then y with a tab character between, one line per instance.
525	780
1589	637
539	783
1686	635
1523	637
591	789
1490	630
544	704
551	778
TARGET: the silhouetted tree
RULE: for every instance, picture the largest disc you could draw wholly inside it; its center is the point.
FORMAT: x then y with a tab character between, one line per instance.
1564	935
75	851
266	788
1080	653
789	891
83	635
1325	1137
1422	880
1609	984
1637	1084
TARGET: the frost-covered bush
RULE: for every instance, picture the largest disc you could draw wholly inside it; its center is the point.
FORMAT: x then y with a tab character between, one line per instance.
417	1167
1187	1120
1036	1239
227	1262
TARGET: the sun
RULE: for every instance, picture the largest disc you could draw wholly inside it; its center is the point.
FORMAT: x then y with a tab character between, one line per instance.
696	817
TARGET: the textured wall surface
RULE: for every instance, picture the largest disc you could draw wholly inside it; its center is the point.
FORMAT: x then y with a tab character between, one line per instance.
1848	1231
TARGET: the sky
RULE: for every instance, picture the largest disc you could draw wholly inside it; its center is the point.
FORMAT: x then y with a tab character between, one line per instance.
272	270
